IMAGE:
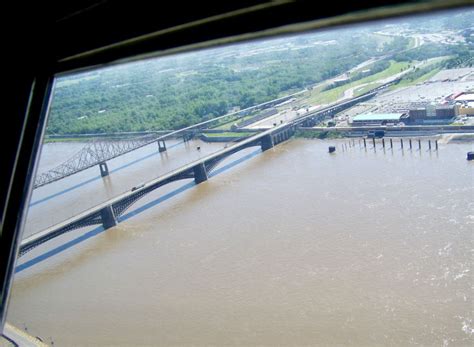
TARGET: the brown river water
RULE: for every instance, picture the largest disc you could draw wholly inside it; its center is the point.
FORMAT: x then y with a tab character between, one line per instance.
292	246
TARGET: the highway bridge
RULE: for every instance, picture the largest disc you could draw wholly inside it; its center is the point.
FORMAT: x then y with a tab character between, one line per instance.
98	152
107	213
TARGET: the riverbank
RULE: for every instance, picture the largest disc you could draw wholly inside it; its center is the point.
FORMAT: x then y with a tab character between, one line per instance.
389	131
309	134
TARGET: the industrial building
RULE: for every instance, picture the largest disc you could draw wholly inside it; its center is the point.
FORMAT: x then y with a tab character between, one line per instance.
464	97
379	119
465	101
430	114
467	110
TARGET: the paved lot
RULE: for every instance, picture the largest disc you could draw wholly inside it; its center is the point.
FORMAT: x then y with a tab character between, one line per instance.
435	90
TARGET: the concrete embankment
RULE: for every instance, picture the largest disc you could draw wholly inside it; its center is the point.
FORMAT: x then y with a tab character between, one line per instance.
223	138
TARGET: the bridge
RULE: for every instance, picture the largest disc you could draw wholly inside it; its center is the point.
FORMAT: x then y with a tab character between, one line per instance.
107	213
97	153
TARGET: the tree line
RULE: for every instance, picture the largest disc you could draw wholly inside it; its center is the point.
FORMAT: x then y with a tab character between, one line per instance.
174	92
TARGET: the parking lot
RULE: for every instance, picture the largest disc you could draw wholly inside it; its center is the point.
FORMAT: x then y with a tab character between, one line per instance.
431	92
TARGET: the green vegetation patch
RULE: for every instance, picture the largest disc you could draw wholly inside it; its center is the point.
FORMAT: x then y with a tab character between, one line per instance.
228	125
332	95
313	134
367	88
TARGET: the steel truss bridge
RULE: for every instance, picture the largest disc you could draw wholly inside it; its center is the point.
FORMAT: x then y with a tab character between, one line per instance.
108	213
99	152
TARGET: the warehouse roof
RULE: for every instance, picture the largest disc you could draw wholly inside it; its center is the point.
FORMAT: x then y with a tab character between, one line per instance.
465	97
378	117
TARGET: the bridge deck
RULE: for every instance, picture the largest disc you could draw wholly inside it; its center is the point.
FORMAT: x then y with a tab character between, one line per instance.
41	234
212	159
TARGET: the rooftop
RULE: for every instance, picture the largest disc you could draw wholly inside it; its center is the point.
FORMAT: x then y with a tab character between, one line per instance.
465	97
378	117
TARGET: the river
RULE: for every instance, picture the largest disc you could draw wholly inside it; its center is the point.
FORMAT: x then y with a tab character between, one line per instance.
293	246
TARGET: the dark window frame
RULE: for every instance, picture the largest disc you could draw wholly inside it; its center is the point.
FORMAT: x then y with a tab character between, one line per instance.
32	79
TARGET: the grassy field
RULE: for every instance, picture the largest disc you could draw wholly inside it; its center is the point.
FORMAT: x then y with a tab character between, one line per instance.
228	125
421	79
328	96
309	134
365	89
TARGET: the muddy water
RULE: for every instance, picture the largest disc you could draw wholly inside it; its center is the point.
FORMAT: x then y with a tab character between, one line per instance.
63	199
290	247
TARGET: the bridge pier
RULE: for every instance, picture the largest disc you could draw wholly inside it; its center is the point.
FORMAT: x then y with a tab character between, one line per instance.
266	142
104	169
108	217
161	146
187	136
200	173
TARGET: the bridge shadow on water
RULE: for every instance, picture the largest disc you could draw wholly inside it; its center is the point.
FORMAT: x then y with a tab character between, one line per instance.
98	230
98	177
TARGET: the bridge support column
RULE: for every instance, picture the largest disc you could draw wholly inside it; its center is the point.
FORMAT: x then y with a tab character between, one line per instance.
161	146
266	142
104	169
187	136
108	217
200	173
